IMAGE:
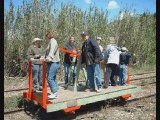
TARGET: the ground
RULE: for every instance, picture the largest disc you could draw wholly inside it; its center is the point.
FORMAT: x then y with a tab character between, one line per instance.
140	109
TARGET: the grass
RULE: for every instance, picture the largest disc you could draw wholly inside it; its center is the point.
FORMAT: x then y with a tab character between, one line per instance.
144	68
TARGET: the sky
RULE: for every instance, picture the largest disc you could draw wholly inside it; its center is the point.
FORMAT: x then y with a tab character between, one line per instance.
112	6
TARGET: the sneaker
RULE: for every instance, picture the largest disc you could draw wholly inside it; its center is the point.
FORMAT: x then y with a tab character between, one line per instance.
52	96
99	90
92	90
105	86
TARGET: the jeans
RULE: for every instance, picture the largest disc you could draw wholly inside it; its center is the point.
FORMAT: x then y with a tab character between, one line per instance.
67	69
111	74
98	75
123	74
37	75
91	70
52	80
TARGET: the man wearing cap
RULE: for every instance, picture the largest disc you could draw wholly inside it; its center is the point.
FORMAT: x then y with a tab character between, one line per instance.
34	53
92	56
68	60
111	57
53	64
124	61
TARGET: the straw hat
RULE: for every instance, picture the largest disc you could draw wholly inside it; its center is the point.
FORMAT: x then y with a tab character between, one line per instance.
36	39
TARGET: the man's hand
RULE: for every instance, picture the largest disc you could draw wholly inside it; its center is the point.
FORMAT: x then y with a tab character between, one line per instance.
102	62
37	56
31	59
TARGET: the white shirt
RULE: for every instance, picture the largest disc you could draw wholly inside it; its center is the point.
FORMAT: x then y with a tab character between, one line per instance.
112	54
52	51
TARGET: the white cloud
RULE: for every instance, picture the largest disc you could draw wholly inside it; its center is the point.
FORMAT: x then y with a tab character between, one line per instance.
123	14
112	4
88	1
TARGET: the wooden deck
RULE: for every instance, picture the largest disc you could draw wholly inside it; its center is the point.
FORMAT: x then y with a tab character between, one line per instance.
67	98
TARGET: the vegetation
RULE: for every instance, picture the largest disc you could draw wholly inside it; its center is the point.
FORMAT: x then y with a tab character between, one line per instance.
34	18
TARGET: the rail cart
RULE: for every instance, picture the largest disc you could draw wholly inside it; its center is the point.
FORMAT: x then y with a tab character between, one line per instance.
75	96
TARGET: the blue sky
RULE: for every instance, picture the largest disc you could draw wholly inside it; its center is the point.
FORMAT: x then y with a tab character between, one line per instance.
113	6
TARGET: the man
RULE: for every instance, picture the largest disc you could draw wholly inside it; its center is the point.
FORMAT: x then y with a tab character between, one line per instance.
92	56
124	61
99	39
34	54
111	57
102	65
68	60
53	64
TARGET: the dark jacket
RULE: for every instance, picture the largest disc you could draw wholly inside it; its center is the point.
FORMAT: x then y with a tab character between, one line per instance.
91	52
67	58
125	58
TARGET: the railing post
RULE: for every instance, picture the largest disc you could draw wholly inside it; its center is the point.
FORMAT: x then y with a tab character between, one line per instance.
44	93
30	80
129	79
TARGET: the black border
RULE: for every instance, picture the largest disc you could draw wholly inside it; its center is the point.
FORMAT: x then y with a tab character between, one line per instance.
2	56
157	59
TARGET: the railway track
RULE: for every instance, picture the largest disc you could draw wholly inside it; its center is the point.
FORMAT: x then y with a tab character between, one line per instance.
134	78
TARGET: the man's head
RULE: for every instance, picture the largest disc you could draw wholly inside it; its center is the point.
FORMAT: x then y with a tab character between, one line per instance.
84	36
112	40
99	39
37	41
50	34
71	39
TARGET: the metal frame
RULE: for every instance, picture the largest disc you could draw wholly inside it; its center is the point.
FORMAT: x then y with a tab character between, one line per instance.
72	105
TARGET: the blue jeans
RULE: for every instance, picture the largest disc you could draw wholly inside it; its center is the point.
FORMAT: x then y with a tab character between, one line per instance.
37	75
98	75
123	74
52	80
91	70
67	68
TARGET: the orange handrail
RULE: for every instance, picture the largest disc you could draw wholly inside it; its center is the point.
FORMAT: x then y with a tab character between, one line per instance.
44	95
71	53
30	80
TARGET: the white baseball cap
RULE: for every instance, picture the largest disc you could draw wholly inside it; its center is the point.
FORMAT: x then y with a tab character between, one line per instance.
124	49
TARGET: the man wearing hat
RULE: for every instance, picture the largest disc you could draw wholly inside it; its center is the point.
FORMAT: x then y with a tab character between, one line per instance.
68	60
34	53
92	56
124	61
111	57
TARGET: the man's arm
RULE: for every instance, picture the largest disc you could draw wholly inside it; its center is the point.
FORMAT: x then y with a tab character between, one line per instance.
30	53
52	49
97	50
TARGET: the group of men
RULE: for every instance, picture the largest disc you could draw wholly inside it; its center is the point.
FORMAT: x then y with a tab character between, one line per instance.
113	58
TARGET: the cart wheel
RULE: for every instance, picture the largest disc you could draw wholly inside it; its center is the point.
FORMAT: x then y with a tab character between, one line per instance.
29	107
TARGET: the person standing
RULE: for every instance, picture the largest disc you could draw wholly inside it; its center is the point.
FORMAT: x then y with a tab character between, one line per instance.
53	64
124	61
34	54
111	57
68	60
92	56
102	65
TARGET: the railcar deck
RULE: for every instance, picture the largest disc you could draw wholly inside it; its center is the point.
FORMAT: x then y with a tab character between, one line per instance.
67	98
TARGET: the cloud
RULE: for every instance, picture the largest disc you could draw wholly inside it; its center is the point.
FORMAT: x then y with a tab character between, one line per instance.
112	4
123	14
88	1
